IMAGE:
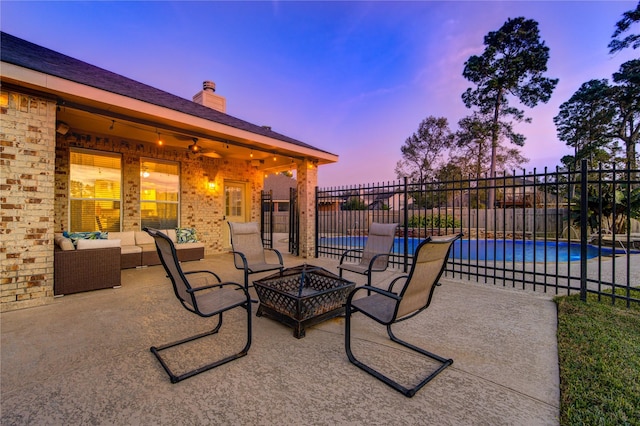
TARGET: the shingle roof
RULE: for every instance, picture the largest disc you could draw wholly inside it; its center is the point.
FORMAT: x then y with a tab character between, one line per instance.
32	56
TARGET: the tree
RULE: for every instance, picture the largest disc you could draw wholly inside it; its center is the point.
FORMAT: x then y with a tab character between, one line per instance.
583	120
622	26
354	203
422	151
626	121
512	64
473	142
599	115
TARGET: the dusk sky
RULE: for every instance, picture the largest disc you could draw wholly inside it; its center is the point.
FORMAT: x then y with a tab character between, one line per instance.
351	78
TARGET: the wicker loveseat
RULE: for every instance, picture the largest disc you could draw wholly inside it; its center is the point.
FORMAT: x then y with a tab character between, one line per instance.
85	269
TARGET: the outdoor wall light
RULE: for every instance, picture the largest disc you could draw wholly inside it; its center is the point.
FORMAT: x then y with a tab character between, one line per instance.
209	184
62	127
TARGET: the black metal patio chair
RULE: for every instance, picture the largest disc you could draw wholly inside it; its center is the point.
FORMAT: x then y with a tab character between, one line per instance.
388	307
374	257
249	252
204	294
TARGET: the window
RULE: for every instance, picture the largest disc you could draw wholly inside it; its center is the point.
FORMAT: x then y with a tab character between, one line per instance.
159	191
95	191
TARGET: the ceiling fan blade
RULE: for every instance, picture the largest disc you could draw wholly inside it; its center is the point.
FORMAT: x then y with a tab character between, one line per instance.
210	154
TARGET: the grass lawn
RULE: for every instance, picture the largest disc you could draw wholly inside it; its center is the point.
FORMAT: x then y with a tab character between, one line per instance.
599	355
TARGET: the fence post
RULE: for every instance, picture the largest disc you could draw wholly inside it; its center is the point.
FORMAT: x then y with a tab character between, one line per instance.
406	226
317	236
584	199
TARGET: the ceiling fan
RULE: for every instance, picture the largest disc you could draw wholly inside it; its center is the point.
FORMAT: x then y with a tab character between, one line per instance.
197	149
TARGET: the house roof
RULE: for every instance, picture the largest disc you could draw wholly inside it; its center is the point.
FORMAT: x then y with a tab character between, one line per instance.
28	55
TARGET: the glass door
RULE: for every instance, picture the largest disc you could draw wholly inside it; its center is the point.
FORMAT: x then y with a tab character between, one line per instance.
235	207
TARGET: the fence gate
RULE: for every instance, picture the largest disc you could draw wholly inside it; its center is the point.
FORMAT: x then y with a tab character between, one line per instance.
266	218
294	222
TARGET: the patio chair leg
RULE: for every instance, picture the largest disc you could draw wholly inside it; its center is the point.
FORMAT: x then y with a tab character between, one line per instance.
246	285
408	392
176	378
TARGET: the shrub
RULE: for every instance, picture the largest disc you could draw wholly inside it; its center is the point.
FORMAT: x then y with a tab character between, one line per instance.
419	221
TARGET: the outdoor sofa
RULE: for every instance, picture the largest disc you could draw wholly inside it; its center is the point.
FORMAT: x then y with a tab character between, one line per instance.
89	267
95	262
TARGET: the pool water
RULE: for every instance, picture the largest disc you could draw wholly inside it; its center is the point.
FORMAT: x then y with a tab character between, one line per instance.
494	250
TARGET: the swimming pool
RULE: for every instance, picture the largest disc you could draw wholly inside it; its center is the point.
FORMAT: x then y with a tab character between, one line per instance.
490	250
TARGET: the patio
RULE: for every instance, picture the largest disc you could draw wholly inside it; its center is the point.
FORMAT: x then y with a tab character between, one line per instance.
85	359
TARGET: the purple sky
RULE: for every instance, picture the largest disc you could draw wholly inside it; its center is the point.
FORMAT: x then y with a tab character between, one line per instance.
351	78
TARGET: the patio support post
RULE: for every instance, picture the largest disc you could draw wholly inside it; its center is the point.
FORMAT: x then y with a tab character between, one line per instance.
307	175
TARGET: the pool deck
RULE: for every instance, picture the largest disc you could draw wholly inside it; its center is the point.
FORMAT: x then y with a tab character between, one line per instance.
85	359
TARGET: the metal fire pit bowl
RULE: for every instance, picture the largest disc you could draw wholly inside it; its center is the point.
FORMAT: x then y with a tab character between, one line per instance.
302	296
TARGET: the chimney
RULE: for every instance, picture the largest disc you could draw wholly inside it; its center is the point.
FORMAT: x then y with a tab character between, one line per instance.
207	97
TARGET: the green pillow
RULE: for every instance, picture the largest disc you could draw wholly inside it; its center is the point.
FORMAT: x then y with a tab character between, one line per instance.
95	235
186	235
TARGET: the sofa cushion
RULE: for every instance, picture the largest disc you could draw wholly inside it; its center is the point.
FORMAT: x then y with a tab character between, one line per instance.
143	238
130	249
84	244
148	247
127	238
171	233
188	246
186	235
76	236
63	242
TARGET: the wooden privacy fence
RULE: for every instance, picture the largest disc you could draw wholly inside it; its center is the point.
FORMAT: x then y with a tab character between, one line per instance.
553	222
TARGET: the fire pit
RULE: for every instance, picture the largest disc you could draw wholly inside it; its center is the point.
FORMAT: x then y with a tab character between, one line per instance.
302	296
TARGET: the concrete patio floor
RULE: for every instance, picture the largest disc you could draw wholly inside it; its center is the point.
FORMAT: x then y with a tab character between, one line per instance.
85	359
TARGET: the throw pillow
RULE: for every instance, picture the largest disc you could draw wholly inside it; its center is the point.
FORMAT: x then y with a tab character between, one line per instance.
64	243
186	235
95	235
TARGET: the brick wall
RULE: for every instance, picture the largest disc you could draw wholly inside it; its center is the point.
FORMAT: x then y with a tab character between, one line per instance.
34	197
26	202
200	207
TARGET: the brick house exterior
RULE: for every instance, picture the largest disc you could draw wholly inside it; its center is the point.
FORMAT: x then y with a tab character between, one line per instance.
100	111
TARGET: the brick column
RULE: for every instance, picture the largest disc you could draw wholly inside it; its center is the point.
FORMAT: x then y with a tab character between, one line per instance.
27	162
307	176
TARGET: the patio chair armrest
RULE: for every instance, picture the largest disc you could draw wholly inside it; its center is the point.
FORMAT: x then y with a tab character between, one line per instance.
373	260
204	272
277	252
371	289
390	288
195	289
220	285
242	256
344	254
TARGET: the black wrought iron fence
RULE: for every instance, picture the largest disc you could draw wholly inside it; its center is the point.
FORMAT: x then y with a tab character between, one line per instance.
562	231
266	218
